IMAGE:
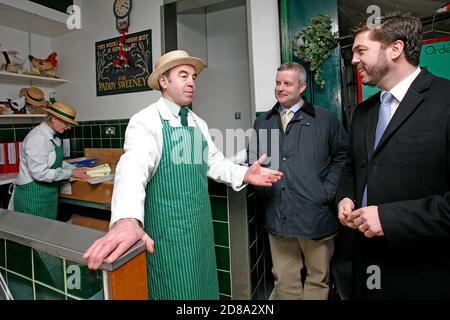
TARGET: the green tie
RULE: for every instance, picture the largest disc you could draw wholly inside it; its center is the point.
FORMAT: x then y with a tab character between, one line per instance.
183	115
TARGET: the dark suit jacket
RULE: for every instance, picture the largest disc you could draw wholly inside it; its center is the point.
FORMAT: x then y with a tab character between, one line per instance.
408	178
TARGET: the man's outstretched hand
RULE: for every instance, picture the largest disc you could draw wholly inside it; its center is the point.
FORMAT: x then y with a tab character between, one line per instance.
260	176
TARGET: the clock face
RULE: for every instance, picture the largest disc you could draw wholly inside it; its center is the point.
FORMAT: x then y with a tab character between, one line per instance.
122	8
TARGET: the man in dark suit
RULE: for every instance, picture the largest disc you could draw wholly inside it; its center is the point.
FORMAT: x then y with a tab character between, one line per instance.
393	196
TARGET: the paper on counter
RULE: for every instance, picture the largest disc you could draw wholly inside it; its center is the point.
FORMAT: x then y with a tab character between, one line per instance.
98	180
99	171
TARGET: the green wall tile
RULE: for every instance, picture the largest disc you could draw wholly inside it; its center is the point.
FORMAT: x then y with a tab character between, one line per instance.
224	282
21	134
87	132
6	135
96	143
106	143
2	253
223	258
219	208
78	132
87	143
48	270
20	288
223	297
44	293
96	131
221	233
83	282
115	143
123	128
217	189
18	258
23	125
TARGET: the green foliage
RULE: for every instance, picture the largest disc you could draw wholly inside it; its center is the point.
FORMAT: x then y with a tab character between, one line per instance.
314	44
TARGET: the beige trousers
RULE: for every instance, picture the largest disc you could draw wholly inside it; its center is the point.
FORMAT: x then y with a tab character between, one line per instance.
289	256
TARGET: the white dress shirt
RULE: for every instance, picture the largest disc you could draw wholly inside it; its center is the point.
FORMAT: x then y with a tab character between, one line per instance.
143	151
399	91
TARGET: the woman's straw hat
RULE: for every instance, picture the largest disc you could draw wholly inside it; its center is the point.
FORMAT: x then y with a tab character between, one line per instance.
171	60
63	111
33	96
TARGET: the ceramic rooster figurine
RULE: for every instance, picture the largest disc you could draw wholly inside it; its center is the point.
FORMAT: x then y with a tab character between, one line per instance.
44	67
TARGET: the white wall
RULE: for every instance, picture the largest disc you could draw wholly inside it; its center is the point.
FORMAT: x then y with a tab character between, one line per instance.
264	50
77	50
219	37
12	39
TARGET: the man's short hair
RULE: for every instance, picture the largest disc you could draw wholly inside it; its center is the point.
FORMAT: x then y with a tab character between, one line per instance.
294	66
406	27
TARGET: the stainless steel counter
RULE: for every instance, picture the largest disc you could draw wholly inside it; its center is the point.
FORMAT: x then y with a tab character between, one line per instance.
57	238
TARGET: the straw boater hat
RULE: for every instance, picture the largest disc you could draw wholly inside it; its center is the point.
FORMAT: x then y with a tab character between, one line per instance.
170	60
63	111
33	96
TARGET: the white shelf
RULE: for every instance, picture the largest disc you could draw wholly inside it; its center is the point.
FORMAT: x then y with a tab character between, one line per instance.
24	78
21	118
32	17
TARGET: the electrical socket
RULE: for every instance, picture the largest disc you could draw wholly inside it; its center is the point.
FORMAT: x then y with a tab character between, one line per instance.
110	131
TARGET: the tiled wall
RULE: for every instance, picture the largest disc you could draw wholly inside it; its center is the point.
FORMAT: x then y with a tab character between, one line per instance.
35	275
89	134
261	280
260	258
219	208
92	134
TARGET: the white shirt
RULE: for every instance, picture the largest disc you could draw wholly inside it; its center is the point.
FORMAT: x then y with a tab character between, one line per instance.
143	150
37	155
399	91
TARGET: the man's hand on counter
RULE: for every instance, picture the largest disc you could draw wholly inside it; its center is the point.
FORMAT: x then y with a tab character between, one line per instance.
117	241
80	173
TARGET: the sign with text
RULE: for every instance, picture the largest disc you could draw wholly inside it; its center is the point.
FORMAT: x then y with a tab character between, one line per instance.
132	78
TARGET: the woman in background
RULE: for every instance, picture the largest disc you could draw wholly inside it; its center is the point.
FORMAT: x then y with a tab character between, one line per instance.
41	164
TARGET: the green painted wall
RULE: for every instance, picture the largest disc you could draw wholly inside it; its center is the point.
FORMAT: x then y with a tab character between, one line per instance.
295	15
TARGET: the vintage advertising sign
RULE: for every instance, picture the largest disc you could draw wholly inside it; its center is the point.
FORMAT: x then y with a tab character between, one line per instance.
113	78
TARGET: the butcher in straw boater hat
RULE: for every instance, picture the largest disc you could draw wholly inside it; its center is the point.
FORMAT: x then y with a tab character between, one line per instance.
41	164
161	188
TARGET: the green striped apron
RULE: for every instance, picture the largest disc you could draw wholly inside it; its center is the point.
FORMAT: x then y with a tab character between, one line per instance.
178	217
40	198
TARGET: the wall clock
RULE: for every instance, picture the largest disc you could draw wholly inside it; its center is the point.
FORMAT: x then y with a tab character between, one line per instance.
122	10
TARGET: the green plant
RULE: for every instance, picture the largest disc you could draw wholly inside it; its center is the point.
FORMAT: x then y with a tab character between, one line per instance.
314	44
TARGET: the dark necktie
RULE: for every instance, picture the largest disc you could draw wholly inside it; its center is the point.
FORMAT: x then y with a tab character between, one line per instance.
183	116
384	116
